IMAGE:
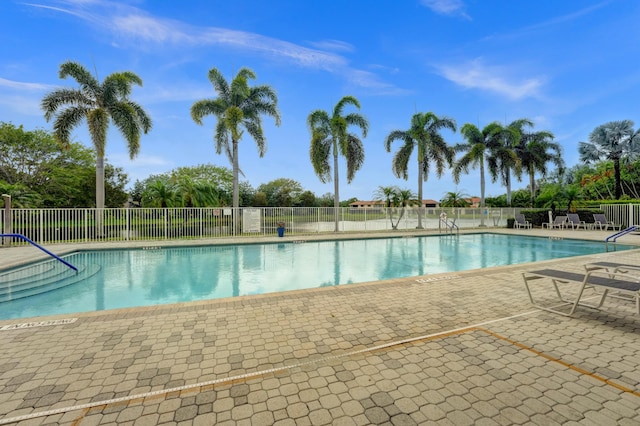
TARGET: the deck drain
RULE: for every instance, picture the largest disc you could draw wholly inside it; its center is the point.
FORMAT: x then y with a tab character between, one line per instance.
38	324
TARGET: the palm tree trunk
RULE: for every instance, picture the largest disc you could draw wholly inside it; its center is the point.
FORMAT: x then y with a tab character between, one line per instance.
482	186
616	175
507	182
100	196
336	186
100	182
532	186
236	190
419	194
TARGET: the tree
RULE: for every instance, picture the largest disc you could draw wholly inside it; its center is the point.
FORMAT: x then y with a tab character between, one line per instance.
21	196
454	199
325	200
424	134
395	199
502	158
98	104
159	193
615	141
306	199
330	136
60	178
237	107
535	150
479	143
282	192
195	192
25	155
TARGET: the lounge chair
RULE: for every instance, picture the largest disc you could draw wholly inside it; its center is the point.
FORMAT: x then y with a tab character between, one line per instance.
521	222
574	221
601	221
559	222
612	266
607	281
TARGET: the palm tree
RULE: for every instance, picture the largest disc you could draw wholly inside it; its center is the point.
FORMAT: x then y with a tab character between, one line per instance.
424	134
454	199
98	104
535	150
238	106
615	141
330	136
479	144
502	159
160	193
195	192
394	198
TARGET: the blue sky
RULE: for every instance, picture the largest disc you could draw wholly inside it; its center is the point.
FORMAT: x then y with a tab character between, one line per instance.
568	65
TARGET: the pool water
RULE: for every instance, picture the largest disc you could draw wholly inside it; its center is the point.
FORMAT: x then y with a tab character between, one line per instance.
134	277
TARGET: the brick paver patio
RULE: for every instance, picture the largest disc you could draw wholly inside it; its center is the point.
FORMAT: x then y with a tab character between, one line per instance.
460	348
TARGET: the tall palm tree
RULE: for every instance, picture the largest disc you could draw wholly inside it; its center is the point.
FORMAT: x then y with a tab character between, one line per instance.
330	136
503	159
99	104
479	144
424	134
535	151
237	107
615	141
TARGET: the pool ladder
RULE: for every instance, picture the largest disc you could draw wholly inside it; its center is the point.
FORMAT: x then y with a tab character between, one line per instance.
450	225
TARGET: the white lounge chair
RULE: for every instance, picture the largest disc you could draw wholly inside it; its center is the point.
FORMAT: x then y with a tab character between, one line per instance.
626	283
521	222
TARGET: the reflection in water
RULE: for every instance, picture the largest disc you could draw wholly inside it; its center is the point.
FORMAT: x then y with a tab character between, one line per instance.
125	278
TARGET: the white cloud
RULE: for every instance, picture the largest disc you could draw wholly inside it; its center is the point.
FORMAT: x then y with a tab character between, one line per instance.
371	81
142	30
447	7
476	75
335	45
18	85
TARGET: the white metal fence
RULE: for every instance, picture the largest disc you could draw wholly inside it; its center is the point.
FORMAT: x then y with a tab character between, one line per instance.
50	226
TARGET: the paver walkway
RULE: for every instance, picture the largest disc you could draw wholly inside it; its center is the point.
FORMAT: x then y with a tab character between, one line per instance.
457	348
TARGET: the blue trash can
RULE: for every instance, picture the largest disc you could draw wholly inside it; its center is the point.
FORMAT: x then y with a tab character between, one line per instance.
280	232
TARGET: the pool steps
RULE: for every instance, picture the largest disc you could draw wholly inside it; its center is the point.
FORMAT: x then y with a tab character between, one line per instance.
41	278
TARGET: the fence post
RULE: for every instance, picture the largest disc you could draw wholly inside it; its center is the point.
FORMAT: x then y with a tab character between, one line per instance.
128	221
7	219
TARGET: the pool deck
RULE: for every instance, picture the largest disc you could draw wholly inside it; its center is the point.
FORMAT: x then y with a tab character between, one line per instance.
463	348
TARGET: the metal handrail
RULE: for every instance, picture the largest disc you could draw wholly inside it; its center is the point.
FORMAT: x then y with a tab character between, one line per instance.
450	225
22	237
620	234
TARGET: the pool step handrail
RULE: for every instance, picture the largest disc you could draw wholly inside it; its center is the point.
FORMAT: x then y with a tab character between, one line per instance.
615	236
450	225
22	237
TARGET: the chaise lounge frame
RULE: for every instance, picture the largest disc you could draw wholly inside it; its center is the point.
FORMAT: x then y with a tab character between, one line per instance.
617	281
521	222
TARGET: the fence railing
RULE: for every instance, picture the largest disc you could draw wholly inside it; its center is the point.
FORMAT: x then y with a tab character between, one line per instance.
51	226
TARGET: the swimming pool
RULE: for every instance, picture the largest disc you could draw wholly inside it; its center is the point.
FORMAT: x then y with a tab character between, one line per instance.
110	279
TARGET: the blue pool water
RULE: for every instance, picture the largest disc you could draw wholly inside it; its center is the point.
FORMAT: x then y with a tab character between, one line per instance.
112	279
